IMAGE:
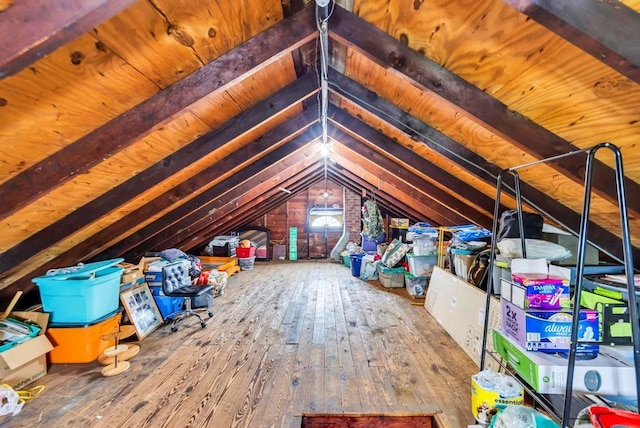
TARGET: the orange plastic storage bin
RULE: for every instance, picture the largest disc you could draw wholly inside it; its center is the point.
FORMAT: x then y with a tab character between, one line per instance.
84	343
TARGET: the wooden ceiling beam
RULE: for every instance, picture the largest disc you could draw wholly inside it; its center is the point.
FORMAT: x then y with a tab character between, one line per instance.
286	159
194	230
397	193
409	189
249	217
608	31
350	125
250	205
132	125
161	170
31	29
348	29
446	202
551	209
386	201
207	202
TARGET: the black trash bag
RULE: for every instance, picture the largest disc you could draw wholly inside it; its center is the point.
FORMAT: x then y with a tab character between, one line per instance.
509	225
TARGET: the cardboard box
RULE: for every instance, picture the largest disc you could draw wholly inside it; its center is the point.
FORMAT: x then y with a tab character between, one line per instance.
131	274
399	222
547	373
549	330
459	308
27	361
539	291
462	263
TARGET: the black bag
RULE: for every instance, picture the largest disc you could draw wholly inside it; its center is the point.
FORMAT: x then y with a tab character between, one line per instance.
479	270
509	228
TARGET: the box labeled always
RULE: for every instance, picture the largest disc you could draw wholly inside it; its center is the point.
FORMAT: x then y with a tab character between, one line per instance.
549	330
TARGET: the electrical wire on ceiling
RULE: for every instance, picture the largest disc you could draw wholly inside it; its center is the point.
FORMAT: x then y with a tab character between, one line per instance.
322	19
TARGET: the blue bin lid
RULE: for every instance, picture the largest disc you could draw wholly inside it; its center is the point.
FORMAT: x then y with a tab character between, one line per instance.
85	272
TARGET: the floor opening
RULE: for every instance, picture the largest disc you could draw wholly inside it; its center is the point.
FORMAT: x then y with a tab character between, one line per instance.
367	421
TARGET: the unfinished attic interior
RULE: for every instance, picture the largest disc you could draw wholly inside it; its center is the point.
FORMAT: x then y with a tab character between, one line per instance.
133	127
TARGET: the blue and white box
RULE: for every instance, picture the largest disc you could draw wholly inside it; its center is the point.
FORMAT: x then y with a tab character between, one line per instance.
549	330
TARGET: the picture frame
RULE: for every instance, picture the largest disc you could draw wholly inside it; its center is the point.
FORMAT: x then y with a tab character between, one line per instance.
142	310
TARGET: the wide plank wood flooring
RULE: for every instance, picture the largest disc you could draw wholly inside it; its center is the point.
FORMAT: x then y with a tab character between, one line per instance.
287	338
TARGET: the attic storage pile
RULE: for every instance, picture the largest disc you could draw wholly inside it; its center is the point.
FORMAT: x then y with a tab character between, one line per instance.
530	307
88	311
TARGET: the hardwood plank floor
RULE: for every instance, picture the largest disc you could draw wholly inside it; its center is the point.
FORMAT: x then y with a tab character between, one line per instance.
287	339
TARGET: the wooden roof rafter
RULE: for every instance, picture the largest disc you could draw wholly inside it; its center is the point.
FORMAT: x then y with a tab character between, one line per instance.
608	31
469	160
349	30
132	125
31	29
251	205
386	201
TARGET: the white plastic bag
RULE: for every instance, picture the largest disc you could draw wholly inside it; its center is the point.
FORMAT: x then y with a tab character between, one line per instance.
10	403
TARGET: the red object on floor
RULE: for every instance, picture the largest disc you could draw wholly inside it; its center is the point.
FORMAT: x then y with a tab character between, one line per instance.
245	253
605	417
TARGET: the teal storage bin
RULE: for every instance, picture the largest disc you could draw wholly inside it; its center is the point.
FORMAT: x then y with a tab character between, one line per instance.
83	295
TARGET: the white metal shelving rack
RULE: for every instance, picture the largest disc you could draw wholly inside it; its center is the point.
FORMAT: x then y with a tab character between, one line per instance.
582	243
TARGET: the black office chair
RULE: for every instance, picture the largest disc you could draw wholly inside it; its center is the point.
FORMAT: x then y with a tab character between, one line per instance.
176	282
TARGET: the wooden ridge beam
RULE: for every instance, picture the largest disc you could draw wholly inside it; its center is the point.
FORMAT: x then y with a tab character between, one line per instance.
528	136
31	29
470	161
161	170
608	31
132	125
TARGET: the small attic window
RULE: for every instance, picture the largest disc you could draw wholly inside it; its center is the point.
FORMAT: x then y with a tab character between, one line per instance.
321	219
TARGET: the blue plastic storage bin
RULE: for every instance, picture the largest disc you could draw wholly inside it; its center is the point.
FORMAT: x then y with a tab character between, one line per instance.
156	290
168	305
81	296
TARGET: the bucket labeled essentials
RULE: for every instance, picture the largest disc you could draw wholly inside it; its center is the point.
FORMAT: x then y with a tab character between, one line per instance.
488	389
356	263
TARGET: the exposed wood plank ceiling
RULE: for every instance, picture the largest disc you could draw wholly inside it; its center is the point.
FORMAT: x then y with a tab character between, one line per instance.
129	126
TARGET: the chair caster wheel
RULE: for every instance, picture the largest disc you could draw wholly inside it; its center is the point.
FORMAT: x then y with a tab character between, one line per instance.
203	324
174	329
210	314
167	321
